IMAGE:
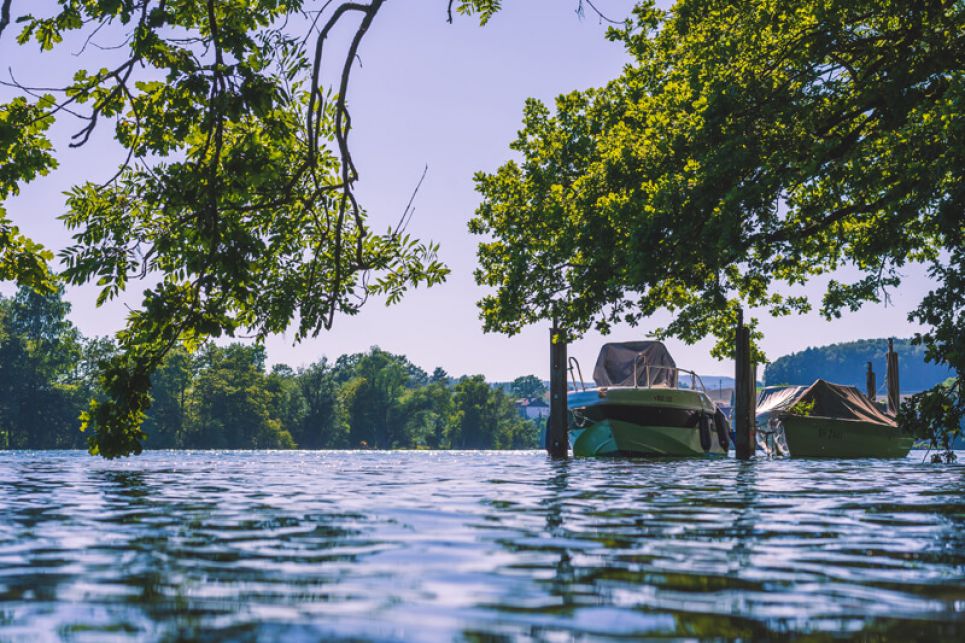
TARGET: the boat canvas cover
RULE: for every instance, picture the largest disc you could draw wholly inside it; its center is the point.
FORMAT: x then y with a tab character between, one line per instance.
830	401
614	366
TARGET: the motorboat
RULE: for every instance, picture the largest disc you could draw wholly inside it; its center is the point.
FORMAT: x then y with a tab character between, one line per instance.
639	406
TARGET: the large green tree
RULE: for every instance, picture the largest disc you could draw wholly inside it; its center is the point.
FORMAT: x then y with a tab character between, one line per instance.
374	384
325	423
424	414
747	148
527	386
232	402
484	418
171	390
43	363
236	196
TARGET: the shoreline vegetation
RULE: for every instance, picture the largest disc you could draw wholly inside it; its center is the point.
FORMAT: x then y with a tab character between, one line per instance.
724	172
224	397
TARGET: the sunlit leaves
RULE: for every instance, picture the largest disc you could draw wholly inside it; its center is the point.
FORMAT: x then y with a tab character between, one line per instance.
749	147
485	9
25	153
235	209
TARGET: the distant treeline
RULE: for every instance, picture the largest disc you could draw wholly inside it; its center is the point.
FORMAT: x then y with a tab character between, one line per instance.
846	363
222	397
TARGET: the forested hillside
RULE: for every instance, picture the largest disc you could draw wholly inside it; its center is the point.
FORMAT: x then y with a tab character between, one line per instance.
846	363
223	397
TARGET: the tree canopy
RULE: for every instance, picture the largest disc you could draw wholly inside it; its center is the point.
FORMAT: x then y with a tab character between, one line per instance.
222	397
236	196
747	148
527	386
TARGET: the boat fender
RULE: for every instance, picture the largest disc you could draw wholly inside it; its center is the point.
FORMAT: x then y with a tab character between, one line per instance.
720	423
704	426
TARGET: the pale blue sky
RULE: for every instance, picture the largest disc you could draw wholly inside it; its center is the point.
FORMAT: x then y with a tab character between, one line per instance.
449	96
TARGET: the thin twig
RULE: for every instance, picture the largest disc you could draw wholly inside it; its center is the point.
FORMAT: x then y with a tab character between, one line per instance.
407	213
589	3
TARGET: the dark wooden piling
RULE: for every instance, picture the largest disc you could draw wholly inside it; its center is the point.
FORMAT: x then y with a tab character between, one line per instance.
745	393
871	383
894	388
557	444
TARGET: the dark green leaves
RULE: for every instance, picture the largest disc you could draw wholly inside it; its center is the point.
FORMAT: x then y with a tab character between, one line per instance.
25	154
236	196
749	147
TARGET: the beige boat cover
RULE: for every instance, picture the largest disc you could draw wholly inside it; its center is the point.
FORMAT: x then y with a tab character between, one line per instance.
831	401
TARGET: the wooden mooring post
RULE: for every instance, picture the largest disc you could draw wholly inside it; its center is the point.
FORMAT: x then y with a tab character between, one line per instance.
894	387
557	444
871	384
745	393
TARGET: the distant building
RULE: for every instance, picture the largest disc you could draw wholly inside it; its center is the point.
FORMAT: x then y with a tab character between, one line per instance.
720	395
532	408
723	398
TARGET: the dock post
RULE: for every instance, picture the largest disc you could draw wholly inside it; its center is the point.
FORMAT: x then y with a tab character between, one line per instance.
557	444
751	399
745	382
871	384
894	389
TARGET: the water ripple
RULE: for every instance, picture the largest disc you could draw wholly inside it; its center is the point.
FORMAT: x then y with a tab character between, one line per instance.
402	546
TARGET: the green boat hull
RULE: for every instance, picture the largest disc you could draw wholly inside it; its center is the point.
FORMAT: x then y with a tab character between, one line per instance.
610	438
819	437
642	422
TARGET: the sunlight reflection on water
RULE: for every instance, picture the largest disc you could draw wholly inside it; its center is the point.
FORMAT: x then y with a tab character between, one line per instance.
459	545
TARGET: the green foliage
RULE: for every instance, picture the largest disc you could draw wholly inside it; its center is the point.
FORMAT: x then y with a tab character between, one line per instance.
527	386
222	398
236	196
374	385
485	9
747	148
846	363
45	368
939	414
232	404
484	418
171	386
25	153
802	408
936	415
325	422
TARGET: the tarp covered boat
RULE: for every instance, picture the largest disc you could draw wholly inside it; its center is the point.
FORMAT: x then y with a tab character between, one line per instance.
827	420
638	407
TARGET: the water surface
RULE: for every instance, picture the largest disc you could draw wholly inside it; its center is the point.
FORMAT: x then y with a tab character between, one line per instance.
441	546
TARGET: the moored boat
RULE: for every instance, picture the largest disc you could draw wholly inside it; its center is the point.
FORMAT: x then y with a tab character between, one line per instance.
639	408
827	420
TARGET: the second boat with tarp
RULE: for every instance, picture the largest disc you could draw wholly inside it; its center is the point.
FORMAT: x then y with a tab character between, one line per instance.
640	407
827	420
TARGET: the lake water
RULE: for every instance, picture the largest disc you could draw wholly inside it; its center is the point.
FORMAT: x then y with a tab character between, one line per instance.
293	546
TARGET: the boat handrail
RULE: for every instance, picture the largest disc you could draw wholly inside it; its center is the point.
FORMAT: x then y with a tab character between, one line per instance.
575	362
694	378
